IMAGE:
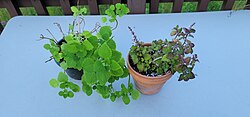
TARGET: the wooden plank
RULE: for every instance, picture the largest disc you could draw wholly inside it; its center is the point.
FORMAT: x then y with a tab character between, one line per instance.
136	6
12	7
65	4
202	5
227	5
39	7
154	4
116	1
177	6
93	7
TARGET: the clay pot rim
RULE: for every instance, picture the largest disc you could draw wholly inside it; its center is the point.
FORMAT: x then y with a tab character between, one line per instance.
144	76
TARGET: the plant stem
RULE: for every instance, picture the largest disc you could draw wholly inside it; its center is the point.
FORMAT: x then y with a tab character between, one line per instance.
157	58
42	37
52	35
116	25
60	28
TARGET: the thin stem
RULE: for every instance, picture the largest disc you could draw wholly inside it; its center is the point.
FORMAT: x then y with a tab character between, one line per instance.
82	20
79	24
51	58
60	28
157	58
135	40
97	26
52	35
46	38
129	79
116	24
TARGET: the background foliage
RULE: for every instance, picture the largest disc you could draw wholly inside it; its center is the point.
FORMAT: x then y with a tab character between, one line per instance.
163	8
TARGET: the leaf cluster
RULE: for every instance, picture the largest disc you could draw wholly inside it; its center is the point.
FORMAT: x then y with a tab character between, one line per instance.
96	55
164	56
68	88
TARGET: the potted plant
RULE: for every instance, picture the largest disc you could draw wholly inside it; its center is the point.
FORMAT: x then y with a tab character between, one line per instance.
152	64
91	56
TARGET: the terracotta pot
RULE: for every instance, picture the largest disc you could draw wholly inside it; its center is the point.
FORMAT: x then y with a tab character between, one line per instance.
145	84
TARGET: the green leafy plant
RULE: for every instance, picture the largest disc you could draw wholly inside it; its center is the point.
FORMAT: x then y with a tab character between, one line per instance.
163	56
93	52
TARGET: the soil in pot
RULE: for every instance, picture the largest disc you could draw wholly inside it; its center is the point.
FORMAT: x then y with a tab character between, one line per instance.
146	84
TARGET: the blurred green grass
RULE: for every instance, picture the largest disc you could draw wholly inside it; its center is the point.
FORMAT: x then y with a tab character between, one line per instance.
163	8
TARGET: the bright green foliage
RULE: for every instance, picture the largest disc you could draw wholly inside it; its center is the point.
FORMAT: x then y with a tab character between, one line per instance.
104	19
54	83
68	88
104	51
135	94
126	99
62	77
116	10
96	55
163	56
77	11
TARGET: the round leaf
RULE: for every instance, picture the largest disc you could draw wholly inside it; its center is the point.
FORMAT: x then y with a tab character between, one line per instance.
135	94
54	83
62	77
126	99
104	51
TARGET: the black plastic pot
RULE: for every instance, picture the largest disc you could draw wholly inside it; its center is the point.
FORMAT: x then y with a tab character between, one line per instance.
73	73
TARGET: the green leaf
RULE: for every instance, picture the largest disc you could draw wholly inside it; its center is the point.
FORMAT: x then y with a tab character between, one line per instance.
134	59
104	19
81	54
86	88
54	83
140	67
87	34
98	66
147	57
125	73
118	5
46	46
118	72
69	38
83	10
61	93
93	40
105	32
135	94
64	85
62	77
114	65
71	48
112	97
64	65
112	20
74	87
104	91
116	55
88	45
70	94
126	99
102	77
112	7
74	9
111	43
71	27
121	62
88	64
90	77
101	73
104	51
